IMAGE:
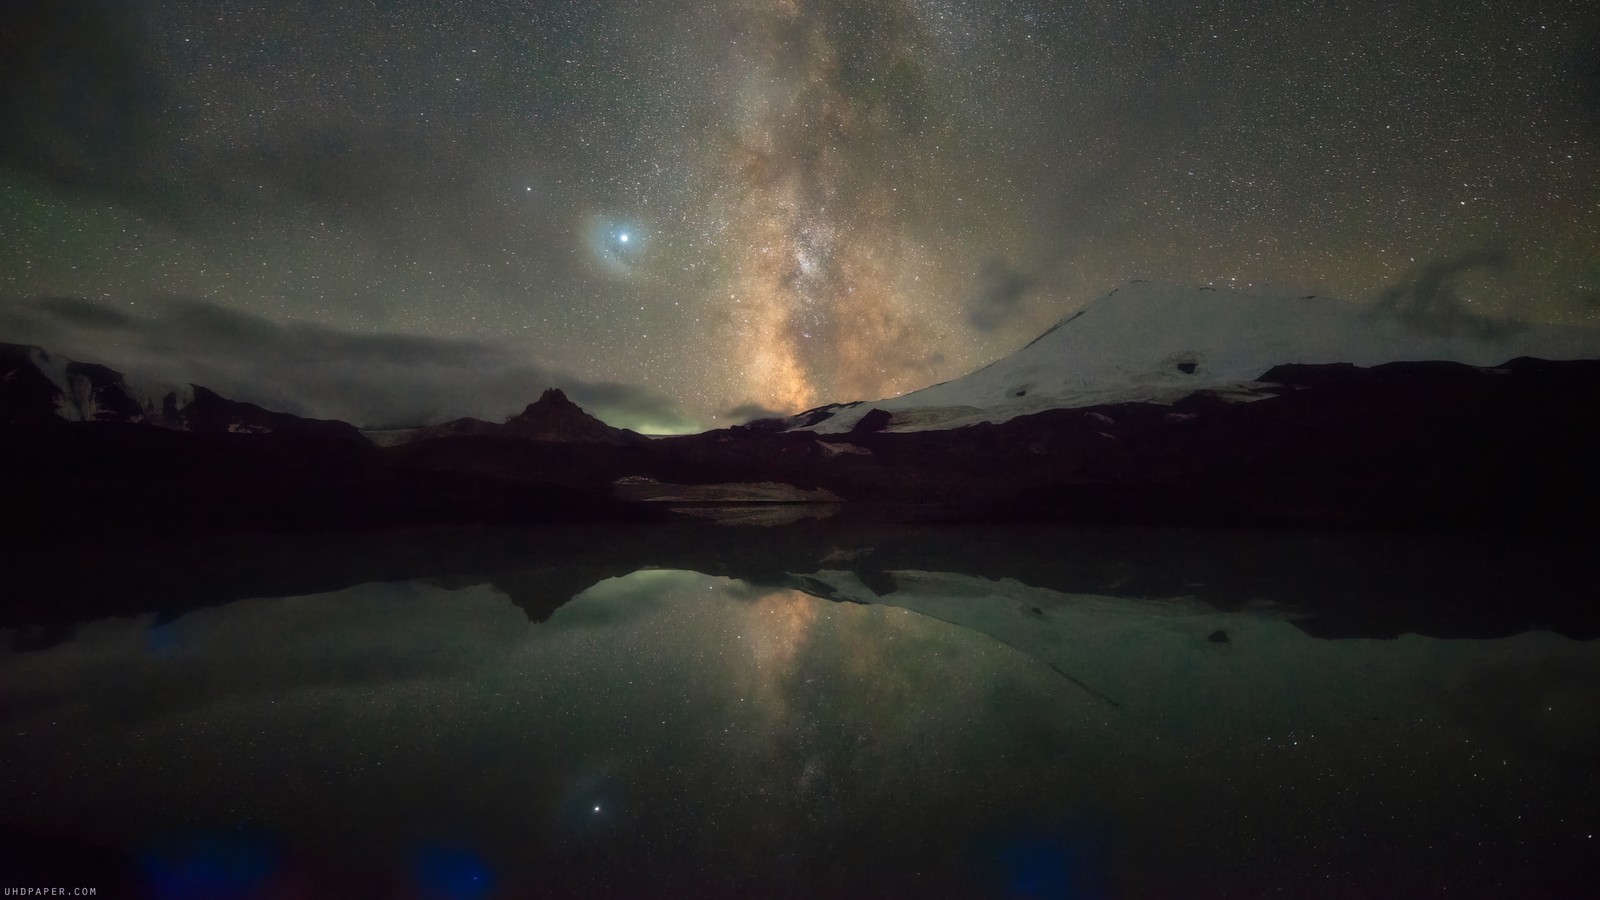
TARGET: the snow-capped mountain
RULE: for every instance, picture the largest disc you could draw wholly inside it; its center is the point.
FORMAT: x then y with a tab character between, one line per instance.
1121	413
1159	343
39	387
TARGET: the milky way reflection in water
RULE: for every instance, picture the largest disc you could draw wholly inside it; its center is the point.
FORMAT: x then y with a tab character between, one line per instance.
671	733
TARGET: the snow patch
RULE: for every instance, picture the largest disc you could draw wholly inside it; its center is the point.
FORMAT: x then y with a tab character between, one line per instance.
78	402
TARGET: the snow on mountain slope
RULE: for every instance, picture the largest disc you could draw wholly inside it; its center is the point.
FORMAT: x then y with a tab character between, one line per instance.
92	392
1159	343
38	387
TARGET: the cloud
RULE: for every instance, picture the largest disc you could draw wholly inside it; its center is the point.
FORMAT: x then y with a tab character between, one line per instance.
373	380
1430	303
80	95
999	295
93	108
631	406
750	412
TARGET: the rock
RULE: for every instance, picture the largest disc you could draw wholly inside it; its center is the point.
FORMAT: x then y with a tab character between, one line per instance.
874	421
553	417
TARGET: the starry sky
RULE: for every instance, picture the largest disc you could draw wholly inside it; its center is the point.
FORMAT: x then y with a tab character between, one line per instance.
691	213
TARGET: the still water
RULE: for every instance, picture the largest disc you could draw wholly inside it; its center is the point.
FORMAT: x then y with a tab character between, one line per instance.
848	729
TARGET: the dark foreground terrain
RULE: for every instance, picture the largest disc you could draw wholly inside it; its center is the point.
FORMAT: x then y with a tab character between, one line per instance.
1337	641
1404	445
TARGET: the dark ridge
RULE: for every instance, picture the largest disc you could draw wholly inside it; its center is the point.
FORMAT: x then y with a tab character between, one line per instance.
874	421
27	395
1412	445
1052	328
467	425
212	413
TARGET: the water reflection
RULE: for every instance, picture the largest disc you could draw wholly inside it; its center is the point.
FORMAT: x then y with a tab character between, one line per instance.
831	732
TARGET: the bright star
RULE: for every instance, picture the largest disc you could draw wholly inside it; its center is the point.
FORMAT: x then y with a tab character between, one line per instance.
619	245
597	809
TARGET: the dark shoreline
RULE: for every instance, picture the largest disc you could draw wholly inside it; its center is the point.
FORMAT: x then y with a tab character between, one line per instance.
1340	583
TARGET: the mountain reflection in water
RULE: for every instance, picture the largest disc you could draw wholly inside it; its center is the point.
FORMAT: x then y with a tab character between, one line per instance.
866	723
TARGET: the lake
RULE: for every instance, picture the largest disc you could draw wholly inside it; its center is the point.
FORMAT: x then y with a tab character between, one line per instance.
814	710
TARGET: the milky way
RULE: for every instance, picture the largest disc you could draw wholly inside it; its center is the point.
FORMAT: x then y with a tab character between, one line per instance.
819	293
715	209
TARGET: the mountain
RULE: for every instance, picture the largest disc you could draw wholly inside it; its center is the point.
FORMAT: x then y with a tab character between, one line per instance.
552	417
89	450
38	387
1131	411
555	418
1159	343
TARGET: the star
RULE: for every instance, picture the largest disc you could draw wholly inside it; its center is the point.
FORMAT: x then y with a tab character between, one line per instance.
921	188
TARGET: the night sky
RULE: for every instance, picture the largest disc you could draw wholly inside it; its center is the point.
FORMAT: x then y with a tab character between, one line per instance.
686	213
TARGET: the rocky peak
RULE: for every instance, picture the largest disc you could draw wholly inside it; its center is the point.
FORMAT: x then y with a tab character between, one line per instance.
553	417
552	401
